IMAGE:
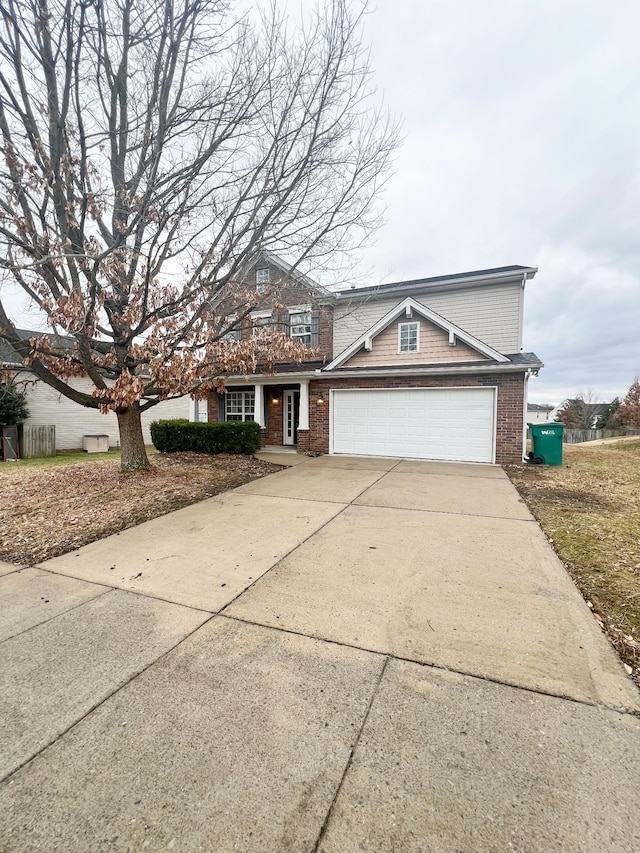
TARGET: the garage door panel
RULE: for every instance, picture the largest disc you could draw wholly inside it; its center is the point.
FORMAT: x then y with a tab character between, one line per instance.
419	423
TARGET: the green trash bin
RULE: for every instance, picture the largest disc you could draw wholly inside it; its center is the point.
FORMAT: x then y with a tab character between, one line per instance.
547	443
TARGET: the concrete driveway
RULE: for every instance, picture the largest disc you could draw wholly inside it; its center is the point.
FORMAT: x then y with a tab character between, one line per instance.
351	654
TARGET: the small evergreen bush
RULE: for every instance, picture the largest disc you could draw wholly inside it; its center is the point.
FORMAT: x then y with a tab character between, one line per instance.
13	403
171	436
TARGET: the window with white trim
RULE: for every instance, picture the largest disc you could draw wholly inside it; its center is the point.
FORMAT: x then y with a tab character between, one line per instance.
300	326
263	276
234	332
261	320
409	337
239	405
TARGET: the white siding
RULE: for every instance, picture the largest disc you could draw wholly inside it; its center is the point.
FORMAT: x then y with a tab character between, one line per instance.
72	421
536	417
493	314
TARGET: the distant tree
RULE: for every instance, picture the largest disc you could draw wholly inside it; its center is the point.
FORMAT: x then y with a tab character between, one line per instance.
150	149
13	405
629	412
609	418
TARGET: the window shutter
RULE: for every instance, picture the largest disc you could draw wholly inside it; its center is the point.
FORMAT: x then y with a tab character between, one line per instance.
222	415
315	328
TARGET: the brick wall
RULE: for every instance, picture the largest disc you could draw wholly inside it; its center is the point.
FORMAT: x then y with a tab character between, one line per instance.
212	407
273	410
273	406
509	407
286	293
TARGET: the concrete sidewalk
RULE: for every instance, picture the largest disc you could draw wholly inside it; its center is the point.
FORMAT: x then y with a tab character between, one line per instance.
350	654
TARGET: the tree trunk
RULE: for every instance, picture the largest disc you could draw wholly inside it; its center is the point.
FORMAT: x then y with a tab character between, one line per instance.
134	455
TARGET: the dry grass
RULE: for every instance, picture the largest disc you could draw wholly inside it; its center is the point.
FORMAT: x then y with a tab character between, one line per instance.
590	510
49	509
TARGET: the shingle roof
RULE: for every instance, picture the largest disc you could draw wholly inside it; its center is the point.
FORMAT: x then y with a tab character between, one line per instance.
432	281
530	359
8	356
536	407
524	360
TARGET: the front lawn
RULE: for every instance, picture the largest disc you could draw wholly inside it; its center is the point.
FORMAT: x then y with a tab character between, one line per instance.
589	509
54	505
68	458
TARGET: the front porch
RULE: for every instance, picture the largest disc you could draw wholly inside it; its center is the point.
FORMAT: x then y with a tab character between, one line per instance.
281	408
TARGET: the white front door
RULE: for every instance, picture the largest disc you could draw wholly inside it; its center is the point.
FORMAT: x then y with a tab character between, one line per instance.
289	414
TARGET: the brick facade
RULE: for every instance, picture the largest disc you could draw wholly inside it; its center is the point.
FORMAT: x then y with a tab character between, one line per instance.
509	414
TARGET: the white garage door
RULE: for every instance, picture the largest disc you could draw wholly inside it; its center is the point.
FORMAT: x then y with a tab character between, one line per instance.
455	424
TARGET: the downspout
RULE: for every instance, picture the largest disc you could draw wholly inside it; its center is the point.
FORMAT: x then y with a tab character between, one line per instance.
524	415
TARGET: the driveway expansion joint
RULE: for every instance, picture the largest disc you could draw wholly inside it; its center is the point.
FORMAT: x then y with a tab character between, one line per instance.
141	593
104	699
352	751
302	542
62	612
434	665
443	512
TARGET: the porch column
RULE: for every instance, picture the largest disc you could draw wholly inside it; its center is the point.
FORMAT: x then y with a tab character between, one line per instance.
303	417
258	405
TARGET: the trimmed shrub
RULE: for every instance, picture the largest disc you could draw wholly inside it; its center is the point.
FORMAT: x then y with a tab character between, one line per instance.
171	436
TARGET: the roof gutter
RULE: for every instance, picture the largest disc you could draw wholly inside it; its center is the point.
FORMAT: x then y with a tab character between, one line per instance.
441	284
484	367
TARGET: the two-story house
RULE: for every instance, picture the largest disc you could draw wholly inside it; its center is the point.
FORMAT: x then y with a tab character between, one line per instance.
431	368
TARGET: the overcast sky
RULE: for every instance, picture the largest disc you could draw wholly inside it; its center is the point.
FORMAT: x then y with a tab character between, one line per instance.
522	146
522	126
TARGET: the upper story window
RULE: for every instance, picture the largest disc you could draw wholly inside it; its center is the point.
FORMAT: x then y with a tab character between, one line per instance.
409	337
300	325
262	276
234	332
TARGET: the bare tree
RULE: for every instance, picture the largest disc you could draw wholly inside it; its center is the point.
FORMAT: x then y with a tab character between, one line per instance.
151	148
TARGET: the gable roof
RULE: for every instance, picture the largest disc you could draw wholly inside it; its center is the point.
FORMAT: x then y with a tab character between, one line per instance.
408	307
289	270
444	282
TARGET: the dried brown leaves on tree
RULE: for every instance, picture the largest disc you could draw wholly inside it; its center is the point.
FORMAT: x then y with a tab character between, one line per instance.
151	149
628	413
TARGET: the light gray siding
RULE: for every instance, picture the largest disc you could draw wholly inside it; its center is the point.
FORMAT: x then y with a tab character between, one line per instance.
492	313
72	421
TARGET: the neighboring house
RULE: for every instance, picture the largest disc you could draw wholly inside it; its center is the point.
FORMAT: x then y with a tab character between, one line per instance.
537	414
577	413
430	368
73	421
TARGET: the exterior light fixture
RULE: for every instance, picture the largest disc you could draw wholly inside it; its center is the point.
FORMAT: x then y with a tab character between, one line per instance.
320	399
275	399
